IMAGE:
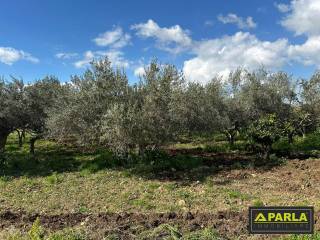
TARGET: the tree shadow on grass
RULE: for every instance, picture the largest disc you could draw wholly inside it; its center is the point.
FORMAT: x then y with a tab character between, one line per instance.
196	165
185	166
48	158
21	164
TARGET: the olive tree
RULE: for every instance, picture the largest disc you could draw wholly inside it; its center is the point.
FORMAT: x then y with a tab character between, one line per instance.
40	97
159	88
80	108
122	125
12	109
267	93
147	118
310	102
203	105
235	109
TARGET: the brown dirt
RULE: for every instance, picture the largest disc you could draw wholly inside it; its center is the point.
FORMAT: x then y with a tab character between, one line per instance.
229	224
126	224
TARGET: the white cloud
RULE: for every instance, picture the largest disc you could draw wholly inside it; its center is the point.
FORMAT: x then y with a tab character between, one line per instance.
219	56
303	17
173	39
115	57
209	23
63	55
115	38
88	57
240	22
222	55
139	71
307	53
10	55
282	7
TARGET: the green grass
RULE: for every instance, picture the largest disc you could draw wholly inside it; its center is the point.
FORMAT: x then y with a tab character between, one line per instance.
61	179
257	203
235	194
218	144
309	145
315	236
225	147
51	159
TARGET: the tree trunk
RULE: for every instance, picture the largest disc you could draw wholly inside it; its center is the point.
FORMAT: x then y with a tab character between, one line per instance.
230	137
3	141
303	132
290	138
32	142
20	136
267	155
141	150
267	152
23	135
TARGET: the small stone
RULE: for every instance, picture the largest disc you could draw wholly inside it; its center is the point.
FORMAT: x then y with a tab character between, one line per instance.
184	209
181	202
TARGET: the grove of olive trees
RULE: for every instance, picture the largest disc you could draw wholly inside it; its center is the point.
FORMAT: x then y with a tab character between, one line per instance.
101	109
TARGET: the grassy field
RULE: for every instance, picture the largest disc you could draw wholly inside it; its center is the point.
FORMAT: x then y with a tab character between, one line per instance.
194	191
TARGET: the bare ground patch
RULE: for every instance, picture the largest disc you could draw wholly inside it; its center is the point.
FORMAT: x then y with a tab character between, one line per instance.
126	225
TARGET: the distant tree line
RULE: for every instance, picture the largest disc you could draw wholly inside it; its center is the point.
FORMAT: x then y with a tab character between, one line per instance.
100	108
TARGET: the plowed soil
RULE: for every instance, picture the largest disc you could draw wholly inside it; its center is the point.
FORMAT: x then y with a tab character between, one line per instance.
125	225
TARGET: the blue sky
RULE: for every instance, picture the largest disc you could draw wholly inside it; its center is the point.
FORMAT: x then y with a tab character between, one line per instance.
203	38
